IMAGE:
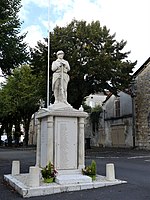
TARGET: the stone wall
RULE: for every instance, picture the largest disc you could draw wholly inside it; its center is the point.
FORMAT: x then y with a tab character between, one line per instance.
111	133
142	108
118	132
33	130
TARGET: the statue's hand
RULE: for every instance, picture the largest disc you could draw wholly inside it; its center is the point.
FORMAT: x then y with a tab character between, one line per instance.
63	63
59	65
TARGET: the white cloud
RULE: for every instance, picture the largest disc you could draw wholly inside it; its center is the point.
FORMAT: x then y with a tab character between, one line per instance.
34	34
2	79
23	14
61	5
40	3
26	4
80	10
129	19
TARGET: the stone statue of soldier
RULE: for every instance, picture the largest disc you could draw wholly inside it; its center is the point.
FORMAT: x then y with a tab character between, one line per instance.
60	80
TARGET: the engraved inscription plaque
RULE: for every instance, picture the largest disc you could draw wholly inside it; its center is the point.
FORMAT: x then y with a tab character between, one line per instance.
66	143
44	142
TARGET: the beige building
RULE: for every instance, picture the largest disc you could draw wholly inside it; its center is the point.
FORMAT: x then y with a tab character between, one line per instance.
115	123
33	130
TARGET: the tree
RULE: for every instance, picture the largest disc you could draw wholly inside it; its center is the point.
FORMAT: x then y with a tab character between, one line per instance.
12	48
39	67
6	116
22	97
97	60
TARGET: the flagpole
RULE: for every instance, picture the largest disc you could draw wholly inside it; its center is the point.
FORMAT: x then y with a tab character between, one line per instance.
48	64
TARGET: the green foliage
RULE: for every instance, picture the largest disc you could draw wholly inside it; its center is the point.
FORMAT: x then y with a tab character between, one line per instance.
49	171
39	67
22	90
97	60
90	170
93	167
12	48
19	98
95	114
86	107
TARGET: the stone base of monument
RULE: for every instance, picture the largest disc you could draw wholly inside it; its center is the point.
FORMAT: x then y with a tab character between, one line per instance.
60	140
67	183
72	179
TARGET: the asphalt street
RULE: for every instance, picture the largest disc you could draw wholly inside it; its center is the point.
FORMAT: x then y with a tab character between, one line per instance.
130	165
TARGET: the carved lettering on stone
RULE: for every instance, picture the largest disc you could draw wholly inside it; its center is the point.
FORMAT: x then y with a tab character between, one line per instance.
66	143
43	142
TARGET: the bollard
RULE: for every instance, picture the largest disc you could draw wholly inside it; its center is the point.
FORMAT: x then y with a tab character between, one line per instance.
110	172
15	168
34	177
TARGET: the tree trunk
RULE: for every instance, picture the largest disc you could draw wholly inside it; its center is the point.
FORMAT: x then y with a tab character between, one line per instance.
17	132
1	132
8	128
26	127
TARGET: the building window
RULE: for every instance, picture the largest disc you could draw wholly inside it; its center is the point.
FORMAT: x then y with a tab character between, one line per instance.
117	108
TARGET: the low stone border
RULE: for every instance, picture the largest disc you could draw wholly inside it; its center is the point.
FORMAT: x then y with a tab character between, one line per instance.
20	184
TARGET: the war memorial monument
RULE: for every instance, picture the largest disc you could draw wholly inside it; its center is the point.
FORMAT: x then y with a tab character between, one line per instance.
60	140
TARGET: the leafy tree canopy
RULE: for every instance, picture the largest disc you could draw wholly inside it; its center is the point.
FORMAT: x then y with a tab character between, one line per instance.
12	48
19	98
98	62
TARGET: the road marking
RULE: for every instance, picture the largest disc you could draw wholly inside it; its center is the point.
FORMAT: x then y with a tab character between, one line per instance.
109	157
116	157
136	157
101	157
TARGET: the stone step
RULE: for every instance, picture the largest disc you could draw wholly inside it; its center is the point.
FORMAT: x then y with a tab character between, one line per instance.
72	179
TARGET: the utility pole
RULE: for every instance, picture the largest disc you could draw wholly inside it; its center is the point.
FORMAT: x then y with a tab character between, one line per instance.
48	60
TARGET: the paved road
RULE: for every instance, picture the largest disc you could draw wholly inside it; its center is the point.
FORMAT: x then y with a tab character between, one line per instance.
133	166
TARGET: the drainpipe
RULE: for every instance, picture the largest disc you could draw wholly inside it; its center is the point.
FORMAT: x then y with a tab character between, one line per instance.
133	119
104	119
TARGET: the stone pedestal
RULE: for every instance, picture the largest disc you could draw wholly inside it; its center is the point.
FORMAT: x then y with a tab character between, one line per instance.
61	141
110	172
34	177
15	167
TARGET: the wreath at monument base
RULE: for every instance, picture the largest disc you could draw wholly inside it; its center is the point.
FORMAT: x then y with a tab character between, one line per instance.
49	173
90	170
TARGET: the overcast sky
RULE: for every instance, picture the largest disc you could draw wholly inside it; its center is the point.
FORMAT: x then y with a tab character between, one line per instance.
129	19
